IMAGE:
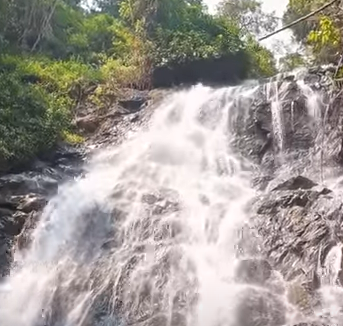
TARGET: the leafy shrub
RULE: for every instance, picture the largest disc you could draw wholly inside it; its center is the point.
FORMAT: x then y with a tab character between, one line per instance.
36	98
72	138
262	62
31	120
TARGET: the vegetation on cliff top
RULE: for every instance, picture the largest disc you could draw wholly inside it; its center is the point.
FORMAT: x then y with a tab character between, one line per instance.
53	51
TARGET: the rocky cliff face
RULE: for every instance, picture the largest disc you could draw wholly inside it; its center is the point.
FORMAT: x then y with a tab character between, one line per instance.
24	195
295	138
291	249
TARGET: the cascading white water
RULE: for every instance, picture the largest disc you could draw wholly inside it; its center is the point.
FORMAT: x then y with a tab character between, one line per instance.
181	247
273	95
314	101
148	236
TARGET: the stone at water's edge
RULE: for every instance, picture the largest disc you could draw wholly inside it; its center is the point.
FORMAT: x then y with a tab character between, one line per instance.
24	195
296	183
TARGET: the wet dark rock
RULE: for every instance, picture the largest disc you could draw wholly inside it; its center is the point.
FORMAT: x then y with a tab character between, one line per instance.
261	182
133	105
24	194
271	204
23	240
296	183
22	184
31	203
297	229
253	271
89	123
254	133
4	212
5	255
13	225
260	308
8	203
289	78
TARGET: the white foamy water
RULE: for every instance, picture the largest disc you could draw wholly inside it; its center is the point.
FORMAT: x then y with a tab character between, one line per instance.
277	113
149	236
175	247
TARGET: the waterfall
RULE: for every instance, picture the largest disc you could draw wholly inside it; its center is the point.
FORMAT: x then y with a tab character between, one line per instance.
149	235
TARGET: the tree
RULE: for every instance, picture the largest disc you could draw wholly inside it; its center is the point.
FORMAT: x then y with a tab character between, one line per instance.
248	14
165	13
297	9
262	61
322	33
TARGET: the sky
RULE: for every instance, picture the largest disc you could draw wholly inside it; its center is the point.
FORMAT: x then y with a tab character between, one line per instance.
269	5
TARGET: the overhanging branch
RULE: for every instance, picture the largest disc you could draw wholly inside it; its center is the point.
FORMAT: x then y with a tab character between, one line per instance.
299	20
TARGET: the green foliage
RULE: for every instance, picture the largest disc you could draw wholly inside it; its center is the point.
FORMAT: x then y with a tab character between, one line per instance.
54	51
297	9
262	61
31	118
57	77
321	33
72	138
326	38
213	38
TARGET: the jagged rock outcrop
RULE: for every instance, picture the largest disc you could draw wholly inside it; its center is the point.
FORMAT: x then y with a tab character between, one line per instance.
297	224
24	195
296	119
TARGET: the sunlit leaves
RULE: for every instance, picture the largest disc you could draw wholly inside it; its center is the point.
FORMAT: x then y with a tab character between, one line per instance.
326	35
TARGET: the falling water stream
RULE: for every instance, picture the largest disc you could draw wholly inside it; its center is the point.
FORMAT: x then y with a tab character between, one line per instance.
148	236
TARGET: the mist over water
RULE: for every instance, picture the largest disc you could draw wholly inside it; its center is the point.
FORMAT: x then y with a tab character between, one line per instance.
149	235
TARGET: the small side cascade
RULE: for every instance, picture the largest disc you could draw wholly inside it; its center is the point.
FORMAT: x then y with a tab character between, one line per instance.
273	96
292	116
332	266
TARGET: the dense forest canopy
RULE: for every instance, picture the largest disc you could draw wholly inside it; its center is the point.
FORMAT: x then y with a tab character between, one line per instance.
54	51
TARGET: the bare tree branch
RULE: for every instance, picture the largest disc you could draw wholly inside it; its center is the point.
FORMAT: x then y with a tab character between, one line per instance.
300	20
